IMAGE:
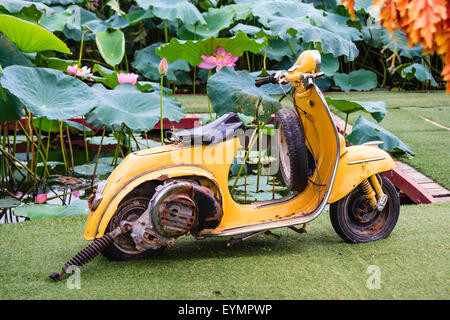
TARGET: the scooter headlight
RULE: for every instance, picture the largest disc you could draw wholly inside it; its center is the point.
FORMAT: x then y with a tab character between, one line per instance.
96	197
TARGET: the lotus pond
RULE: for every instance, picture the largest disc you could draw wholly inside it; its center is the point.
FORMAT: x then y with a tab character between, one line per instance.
83	83
58	183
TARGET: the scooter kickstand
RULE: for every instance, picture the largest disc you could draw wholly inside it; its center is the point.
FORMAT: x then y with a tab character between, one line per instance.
91	251
233	241
300	231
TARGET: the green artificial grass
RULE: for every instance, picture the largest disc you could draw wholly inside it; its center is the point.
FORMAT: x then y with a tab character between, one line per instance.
398	99
193	103
317	265
406	111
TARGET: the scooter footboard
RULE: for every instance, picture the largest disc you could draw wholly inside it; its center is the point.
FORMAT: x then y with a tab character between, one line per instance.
357	164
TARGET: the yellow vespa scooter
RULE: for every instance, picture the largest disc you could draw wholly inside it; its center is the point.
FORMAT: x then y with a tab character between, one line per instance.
156	195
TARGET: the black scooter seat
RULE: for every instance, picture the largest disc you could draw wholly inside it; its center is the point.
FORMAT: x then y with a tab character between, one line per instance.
213	132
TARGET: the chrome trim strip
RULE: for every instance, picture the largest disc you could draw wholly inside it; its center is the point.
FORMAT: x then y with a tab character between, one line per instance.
366	160
278	201
297	220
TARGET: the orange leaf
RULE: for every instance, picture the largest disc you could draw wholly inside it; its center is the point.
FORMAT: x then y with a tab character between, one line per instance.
425	15
350	6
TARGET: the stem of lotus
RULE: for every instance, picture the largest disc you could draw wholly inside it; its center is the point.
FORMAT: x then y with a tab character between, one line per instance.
70	192
29	139
70	149
209	101
116	150
253	62
249	67
7	154
63	147
384	74
81	50
46	153
195	77
97	62
84	139
146	139
259	157
195	68
120	140
273	188
126	62
260	124
134	138
128	141
345	125
290	47
30	128
9	150
38	135
250	147
166	32
98	156
15	135
161	109
4	158
265	56
2	91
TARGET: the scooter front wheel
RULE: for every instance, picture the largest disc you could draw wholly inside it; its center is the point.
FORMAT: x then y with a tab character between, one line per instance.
294	161
354	219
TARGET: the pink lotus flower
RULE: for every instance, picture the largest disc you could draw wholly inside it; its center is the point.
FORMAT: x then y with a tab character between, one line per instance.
163	66
76	194
41	198
82	73
127	78
19	194
220	59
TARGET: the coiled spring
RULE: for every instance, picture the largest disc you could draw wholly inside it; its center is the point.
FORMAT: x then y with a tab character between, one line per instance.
90	252
366	187
369	192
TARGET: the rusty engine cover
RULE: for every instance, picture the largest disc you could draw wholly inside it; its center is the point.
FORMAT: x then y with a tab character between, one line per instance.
181	206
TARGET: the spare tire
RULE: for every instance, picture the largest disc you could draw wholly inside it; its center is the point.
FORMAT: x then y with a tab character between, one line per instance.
293	154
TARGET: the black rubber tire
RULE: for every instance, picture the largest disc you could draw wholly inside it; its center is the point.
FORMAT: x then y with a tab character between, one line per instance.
140	200
352	230
292	127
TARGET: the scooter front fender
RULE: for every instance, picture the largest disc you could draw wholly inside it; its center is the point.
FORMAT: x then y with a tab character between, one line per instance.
153	164
355	165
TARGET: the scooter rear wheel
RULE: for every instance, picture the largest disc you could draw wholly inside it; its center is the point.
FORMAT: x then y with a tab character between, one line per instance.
354	220
123	248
